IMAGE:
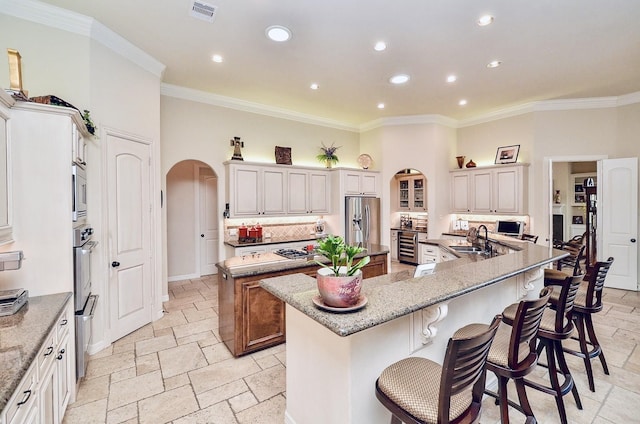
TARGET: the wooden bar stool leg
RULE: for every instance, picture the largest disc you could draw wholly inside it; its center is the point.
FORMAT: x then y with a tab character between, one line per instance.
524	401
564	369
584	349
502	400
595	343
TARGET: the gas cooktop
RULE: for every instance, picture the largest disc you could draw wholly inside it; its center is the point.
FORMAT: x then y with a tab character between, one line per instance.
292	253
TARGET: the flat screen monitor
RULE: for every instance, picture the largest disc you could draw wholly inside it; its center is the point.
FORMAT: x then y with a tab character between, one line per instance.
509	228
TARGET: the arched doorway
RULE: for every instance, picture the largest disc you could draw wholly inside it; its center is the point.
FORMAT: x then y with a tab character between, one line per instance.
192	220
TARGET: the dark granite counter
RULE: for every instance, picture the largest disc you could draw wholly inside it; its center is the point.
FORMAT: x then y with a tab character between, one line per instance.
394	295
22	335
270	262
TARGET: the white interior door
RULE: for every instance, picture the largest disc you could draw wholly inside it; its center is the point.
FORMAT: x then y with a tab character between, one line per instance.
128	178
618	220
208	224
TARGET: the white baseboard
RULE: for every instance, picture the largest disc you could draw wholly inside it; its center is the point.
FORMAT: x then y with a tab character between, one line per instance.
182	277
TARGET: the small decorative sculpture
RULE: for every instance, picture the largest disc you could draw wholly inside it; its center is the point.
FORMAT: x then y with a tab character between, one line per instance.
237	144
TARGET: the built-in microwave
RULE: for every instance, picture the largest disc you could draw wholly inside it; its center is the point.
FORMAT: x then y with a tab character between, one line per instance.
79	183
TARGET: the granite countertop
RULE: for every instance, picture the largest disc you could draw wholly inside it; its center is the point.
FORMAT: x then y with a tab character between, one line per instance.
394	295
274	240
270	262
21	337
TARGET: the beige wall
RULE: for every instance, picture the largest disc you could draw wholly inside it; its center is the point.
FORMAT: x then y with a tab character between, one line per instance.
181	219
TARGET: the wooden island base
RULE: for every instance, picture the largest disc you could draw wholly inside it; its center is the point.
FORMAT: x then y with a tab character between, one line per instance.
250	318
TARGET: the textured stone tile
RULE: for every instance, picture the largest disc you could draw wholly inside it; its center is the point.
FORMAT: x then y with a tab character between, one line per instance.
222	373
142	333
282	357
90	413
242	401
176	381
163	332
123	414
110	364
147	363
268	412
169	319
193	315
221	393
156	344
195	327
209	340
123	374
205	335
136	388
124	347
91	390
217	353
267	383
104	352
268	362
617	408
179	360
167	406
219	413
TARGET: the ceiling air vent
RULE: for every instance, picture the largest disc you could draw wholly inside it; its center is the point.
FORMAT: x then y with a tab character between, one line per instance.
204	11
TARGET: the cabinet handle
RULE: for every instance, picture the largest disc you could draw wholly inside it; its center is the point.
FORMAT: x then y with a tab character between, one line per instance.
115	264
63	322
60	355
49	351
26	398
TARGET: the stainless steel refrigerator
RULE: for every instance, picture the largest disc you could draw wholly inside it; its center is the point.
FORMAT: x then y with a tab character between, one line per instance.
362	220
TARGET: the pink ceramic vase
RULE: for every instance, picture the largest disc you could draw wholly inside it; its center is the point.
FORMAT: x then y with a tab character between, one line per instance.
339	292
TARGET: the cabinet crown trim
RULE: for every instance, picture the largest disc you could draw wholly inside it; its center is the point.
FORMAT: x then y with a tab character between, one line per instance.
475	168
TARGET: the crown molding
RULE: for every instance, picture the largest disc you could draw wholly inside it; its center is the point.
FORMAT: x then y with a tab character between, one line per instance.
410	120
629	99
76	23
251	107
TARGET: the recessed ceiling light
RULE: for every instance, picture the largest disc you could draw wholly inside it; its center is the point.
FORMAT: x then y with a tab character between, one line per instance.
485	20
380	46
314	86
494	64
278	33
452	78
217	58
462	102
399	79
380	105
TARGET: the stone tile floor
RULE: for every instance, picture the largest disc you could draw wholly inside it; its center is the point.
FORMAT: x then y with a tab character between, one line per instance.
176	370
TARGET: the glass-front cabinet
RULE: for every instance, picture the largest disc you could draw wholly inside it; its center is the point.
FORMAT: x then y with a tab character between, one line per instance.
412	193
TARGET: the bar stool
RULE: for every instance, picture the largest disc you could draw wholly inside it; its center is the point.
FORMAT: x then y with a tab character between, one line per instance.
418	390
513	354
556	325
588	302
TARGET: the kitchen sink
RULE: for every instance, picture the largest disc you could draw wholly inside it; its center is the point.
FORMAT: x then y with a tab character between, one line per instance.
466	249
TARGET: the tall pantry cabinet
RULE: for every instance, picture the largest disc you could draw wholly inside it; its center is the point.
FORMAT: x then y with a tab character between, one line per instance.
44	141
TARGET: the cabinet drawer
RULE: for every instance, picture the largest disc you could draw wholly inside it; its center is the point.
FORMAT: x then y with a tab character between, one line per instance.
47	352
64	322
23	398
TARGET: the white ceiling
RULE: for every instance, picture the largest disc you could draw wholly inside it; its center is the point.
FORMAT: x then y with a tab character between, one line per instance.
550	49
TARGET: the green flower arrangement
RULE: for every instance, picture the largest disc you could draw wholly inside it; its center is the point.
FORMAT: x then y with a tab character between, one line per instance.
341	256
328	155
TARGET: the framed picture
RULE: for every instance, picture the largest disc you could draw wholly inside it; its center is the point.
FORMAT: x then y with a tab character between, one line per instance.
577	219
578	188
283	155
507	154
580	198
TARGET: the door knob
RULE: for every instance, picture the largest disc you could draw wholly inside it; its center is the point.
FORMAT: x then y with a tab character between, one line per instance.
633	240
202	235
115	264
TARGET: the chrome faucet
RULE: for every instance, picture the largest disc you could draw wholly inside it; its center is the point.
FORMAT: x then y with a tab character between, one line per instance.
487	246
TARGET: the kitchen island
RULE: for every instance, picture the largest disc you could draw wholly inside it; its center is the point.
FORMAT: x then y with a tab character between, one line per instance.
333	359
252	318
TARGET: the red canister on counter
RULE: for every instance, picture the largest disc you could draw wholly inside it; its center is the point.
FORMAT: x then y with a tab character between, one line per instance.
242	232
259	229
253	232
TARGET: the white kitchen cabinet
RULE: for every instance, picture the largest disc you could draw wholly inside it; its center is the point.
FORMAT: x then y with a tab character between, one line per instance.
394	245
412	193
23	404
445	255
428	253
5	166
79	146
490	190
254	190
308	192
364	183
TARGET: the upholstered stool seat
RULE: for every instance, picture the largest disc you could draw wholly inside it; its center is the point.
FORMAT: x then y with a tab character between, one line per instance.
418	390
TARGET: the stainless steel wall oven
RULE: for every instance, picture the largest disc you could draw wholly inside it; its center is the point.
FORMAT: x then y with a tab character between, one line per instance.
85	301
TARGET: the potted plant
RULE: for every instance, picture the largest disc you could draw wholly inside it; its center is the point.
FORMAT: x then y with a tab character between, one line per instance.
340	281
328	155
